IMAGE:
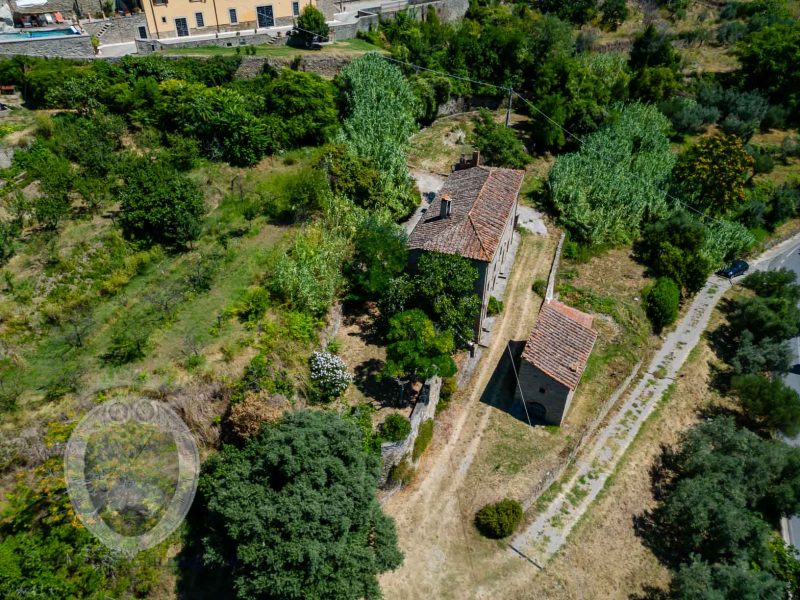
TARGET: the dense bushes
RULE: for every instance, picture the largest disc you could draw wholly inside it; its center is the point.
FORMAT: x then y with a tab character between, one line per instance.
661	302
159	204
500	519
380	115
498	144
309	475
605	190
720	493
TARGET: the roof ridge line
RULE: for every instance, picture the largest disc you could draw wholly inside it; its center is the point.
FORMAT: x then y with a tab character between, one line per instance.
477	235
477	198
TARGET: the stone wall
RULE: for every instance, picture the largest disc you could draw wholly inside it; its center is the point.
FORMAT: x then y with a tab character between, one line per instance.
121	30
230	40
326	65
393	453
555	398
68	46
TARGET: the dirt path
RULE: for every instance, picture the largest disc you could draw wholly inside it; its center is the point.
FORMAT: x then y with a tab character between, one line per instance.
431	523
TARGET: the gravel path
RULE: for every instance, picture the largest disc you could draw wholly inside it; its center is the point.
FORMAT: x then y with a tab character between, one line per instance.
548	533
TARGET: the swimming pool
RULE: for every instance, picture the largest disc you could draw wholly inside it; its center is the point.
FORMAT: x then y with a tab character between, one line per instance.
26	34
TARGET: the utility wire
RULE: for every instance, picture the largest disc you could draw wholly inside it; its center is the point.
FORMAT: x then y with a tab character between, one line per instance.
549	119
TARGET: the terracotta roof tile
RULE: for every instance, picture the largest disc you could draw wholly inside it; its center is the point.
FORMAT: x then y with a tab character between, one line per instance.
560	343
482	199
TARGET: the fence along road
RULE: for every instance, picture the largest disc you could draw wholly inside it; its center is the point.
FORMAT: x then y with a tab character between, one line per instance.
548	533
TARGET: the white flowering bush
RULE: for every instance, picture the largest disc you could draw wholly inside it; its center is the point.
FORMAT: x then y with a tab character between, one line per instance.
329	375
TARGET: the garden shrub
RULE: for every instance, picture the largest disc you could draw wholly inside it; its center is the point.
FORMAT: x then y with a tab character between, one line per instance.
329	375
424	437
395	428
500	519
661	302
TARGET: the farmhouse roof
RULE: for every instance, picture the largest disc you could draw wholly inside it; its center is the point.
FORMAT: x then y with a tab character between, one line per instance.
560	343
482	199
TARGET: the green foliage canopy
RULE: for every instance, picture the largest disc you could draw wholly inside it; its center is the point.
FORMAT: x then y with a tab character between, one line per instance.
605	190
159	205
318	531
416	348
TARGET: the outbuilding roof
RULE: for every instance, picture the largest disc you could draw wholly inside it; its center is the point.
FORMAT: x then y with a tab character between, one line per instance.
560	343
482	199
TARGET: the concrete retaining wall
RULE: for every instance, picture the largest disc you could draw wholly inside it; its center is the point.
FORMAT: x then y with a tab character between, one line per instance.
68	46
424	410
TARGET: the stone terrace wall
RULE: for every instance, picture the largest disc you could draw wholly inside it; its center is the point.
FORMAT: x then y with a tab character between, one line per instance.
326	65
123	29
424	410
68	46
224	40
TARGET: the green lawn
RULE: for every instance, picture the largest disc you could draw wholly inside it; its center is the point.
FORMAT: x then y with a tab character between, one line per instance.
354	46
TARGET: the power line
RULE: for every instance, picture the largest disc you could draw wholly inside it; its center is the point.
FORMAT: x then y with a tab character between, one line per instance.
548	118
633	174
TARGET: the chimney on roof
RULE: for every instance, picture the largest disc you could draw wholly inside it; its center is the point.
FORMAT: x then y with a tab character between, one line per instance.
476	158
446	206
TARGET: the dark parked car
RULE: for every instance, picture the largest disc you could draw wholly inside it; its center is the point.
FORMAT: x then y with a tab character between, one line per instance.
736	268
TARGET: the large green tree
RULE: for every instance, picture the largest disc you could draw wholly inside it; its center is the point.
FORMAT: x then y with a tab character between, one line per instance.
445	288
293	514
499	145
158	204
380	254
770	61
674	248
769	401
712	173
305	103
416	349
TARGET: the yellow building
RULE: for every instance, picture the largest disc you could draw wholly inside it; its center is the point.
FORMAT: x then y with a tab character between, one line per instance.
182	18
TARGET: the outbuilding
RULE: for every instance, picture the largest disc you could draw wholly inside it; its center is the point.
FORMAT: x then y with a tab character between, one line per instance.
553	361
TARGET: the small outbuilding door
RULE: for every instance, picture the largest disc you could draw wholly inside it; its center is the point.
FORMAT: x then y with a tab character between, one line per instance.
536	411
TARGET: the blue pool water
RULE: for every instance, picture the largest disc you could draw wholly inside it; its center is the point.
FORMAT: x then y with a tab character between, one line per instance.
28	34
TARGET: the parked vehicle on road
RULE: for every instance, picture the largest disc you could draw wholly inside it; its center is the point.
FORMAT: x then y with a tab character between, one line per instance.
736	268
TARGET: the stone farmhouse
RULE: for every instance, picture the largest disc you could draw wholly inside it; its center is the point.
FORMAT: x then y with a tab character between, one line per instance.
553	361
473	216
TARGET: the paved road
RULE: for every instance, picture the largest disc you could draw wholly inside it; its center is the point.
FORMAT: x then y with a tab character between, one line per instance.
548	533
791	260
